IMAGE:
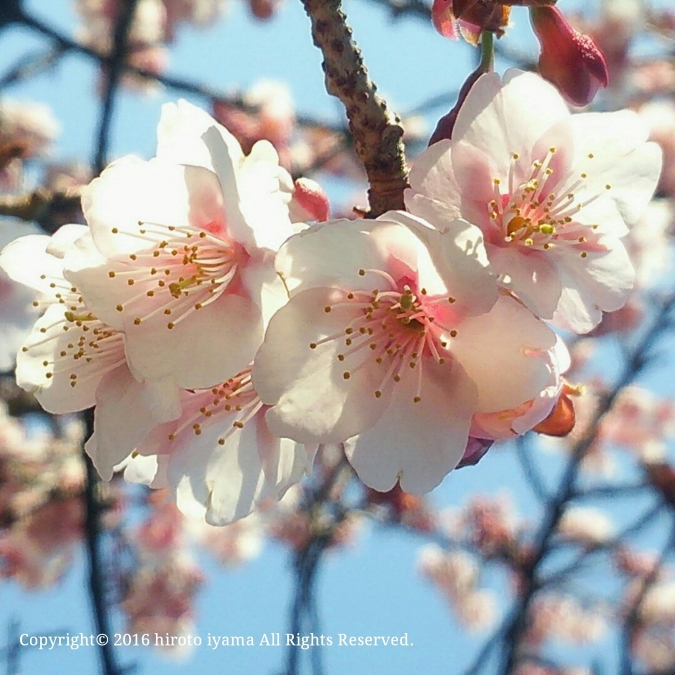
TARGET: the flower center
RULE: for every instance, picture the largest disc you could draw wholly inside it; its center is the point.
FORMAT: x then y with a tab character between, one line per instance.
82	346
533	216
231	404
398	329
184	270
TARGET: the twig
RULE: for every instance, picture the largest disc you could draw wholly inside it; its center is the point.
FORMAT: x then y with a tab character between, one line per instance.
377	132
96	577
115	69
634	365
632	619
42	206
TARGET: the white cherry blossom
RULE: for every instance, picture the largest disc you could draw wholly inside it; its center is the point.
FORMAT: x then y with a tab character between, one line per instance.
552	192
72	360
394	336
219	457
184	250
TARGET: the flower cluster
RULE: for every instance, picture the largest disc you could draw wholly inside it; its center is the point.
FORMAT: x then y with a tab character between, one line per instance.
222	343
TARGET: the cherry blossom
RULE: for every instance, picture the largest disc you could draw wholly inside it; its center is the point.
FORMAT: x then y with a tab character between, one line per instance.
220	453
184	246
390	344
552	192
72	360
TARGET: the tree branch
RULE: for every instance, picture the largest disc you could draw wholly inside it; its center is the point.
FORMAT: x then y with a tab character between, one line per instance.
377	132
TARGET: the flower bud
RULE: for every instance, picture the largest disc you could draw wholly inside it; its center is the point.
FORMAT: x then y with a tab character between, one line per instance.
568	59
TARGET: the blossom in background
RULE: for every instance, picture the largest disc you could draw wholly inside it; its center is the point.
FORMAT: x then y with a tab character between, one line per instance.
553	193
456	575
388	343
184	247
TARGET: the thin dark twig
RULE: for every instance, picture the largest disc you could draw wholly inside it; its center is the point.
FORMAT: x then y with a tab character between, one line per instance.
13	647
115	70
92	532
31	65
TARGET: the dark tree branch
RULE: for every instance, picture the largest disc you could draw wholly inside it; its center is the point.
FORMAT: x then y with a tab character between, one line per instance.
377	132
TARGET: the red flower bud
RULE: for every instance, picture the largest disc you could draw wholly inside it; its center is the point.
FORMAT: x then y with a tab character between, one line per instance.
569	59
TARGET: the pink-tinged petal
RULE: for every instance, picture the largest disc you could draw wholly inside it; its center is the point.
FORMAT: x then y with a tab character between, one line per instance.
383	244
126	412
314	400
17	316
621	158
450	260
531	275
264	286
417	444
443	19
131	197
284	463
501	118
231	478
498	351
210	346
600	281
432	175
227	480
180	137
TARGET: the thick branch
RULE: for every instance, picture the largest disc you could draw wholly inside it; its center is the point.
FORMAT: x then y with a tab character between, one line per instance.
377	131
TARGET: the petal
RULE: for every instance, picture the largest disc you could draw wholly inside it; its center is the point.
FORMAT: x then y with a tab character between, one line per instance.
531	275
208	347
503	118
417	443
499	351
42	370
602	281
126	412
150	470
131	195
432	175
456	257
180	136
621	158
314	401
265	191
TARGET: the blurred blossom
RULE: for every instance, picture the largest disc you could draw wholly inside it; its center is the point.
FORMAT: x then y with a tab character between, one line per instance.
587	526
455	574
639	421
233	544
563	618
659	115
649	242
488	523
654	649
29	126
267	113
160	588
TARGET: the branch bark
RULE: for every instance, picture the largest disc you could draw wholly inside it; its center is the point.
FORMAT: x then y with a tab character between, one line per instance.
377	131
